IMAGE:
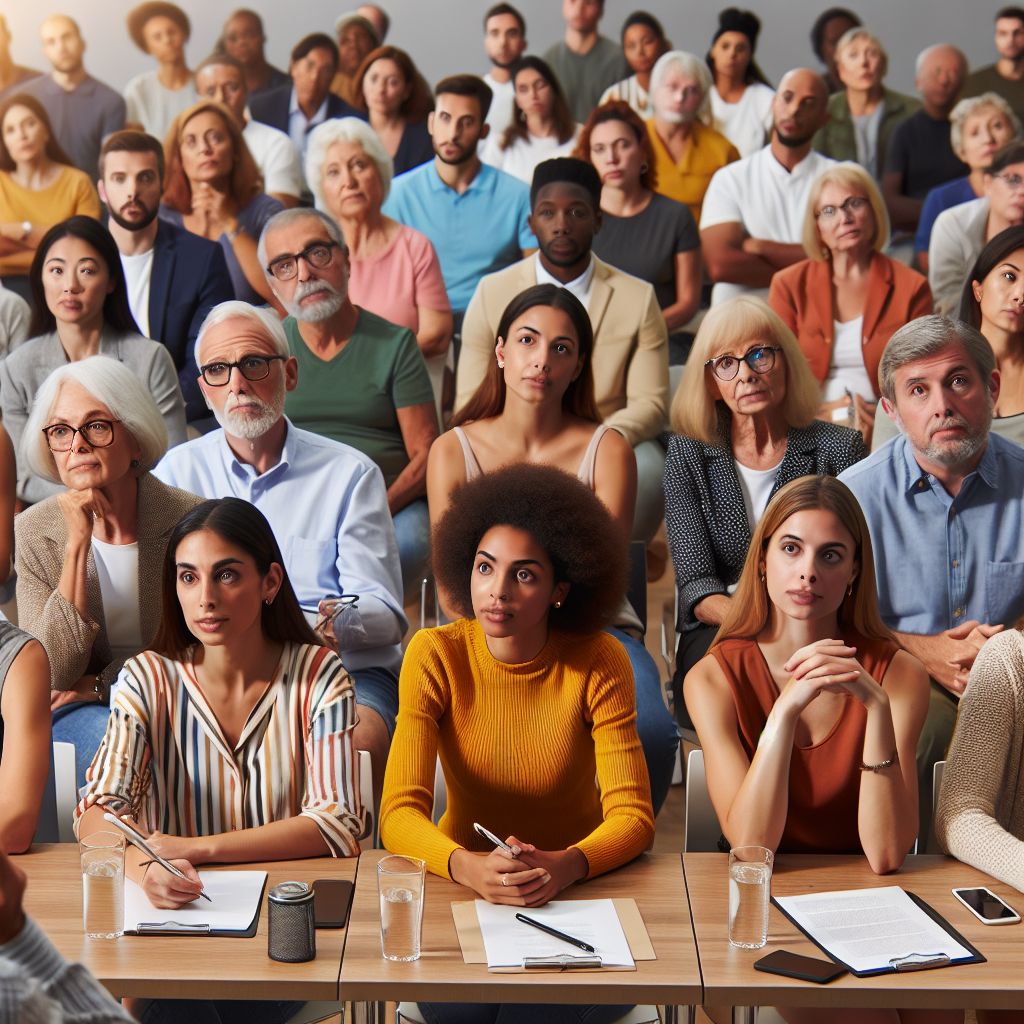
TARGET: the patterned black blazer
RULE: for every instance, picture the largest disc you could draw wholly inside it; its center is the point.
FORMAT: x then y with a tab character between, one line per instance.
706	517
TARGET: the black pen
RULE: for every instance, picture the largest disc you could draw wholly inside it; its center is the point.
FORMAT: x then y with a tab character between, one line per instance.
557	934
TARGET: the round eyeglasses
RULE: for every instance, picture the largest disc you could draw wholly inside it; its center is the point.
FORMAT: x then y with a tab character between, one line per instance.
60	437
760	359
251	368
853	204
317	255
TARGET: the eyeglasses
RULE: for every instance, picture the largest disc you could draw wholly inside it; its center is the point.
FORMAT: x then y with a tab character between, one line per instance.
251	368
760	359
1011	180
854	204
317	255
60	437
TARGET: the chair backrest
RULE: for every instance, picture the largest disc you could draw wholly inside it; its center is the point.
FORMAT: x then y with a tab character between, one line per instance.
440	793
702	828
938	770
370	807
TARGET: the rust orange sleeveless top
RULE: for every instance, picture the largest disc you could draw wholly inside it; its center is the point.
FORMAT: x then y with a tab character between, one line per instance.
824	779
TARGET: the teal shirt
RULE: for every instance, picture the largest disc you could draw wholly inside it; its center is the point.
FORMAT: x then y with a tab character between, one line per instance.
354	398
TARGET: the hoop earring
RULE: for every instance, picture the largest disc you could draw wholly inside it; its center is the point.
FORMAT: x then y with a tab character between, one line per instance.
849	589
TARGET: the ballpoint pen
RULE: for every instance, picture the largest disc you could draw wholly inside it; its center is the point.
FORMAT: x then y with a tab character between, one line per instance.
579	943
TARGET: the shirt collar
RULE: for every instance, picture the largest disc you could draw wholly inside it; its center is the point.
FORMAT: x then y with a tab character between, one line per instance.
917	479
235	465
321	111
578	285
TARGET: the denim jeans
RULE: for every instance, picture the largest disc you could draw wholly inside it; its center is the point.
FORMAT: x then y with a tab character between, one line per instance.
84	725
412	532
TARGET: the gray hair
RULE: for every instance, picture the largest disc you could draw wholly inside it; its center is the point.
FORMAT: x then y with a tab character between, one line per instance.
929	50
267	322
690	65
116	387
285	217
851	35
926	336
964	109
345	129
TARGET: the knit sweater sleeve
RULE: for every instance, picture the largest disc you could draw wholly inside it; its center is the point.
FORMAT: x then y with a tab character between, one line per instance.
627	828
984	763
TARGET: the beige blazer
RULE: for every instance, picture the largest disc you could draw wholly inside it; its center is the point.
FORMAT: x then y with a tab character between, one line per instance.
630	361
77	645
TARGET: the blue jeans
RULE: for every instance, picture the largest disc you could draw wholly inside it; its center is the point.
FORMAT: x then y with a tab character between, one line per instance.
377	689
223	1011
84	725
654	724
537	1013
412	532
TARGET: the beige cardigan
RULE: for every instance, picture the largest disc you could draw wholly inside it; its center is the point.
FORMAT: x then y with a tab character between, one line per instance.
77	645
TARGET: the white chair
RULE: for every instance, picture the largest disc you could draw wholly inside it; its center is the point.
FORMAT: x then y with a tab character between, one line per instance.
938	771
370	807
701	823
56	811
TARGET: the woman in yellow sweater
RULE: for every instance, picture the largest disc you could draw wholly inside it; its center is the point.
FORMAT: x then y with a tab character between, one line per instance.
525	700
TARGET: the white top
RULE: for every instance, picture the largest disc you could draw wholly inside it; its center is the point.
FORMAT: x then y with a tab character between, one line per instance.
276	158
138	270
579	286
117	566
745	124
523	155
630	91
154	106
847	372
756	485
503	102
769	201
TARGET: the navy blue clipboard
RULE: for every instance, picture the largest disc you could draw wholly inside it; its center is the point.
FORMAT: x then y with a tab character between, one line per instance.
171	928
913	962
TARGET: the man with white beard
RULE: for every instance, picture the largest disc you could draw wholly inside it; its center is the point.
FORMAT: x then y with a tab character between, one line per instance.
324	500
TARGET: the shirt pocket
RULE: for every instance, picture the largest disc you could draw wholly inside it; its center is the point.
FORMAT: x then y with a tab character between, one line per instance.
1004	592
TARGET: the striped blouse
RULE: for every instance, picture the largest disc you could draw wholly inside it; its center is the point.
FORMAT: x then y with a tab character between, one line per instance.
165	760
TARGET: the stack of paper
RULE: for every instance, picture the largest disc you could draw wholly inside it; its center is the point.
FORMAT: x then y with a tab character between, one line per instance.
233	906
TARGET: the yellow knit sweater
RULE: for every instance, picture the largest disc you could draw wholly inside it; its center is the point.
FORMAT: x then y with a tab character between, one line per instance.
520	746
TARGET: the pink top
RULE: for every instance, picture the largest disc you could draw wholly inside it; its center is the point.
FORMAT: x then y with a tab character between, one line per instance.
403	277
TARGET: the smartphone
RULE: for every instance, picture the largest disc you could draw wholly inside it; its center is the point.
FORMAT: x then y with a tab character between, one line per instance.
805	968
986	906
487	834
332	898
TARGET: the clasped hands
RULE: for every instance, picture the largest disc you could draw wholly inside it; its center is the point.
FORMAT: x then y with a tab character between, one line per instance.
530	878
828	666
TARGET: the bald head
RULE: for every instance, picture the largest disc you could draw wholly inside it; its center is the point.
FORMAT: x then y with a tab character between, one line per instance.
940	75
800	107
63	45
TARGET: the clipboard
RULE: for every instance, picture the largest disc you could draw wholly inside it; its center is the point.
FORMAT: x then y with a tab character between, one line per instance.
471	939
189	921
911	962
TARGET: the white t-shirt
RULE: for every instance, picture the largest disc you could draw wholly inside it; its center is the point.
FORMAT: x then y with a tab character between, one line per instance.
745	124
276	158
523	155
117	566
847	372
503	102
154	106
769	201
138	270
756	485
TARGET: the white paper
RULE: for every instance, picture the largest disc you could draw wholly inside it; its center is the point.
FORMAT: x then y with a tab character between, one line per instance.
235	899
507	941
867	928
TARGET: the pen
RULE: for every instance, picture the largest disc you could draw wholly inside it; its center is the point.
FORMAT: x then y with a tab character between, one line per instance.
136	840
557	934
487	834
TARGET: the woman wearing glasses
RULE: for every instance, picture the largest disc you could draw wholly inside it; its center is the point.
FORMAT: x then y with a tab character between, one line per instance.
744	423
88	559
847	298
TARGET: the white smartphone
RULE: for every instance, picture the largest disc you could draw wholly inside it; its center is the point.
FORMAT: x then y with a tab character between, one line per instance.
487	834
986	906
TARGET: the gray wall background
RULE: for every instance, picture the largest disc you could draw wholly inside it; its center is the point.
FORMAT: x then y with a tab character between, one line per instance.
444	36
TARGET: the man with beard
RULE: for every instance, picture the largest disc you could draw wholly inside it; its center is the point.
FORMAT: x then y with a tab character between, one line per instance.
174	277
1006	76
944	503
754	208
325	502
477	217
504	44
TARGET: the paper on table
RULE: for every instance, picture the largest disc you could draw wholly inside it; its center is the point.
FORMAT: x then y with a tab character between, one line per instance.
507	941
235	899
868	928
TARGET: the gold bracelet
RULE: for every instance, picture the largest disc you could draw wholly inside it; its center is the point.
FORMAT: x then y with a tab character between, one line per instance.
878	767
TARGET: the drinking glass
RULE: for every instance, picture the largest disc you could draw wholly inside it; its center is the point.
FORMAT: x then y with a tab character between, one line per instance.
750	889
102	856
400	884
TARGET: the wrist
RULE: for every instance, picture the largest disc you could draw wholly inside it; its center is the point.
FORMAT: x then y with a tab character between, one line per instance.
10	930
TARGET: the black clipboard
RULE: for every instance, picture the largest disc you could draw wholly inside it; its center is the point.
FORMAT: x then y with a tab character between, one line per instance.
912	962
171	928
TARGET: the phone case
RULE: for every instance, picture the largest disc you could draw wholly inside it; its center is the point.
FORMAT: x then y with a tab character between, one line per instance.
784	963
332	898
986	920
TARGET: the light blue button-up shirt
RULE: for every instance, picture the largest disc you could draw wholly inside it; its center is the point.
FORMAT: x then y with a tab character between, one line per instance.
299	126
328	507
940	560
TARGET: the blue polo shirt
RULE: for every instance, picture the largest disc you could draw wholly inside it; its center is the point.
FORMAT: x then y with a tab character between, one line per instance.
940	560
481	231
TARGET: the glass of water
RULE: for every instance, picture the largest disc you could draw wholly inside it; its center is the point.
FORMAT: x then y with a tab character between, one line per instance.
750	889
102	856
400	884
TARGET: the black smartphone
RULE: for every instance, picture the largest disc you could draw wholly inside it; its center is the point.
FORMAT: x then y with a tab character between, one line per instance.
332	898
805	968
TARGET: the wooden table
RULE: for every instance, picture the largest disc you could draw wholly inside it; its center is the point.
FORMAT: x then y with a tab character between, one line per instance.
441	974
178	967
730	978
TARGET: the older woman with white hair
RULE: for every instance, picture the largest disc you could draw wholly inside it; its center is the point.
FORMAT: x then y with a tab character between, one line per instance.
687	150
89	559
394	272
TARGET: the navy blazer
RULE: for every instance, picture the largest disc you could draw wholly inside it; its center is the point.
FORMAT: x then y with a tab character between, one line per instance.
189	278
271	107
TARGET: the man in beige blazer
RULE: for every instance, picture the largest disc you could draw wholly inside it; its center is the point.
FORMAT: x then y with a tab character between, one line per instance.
630	361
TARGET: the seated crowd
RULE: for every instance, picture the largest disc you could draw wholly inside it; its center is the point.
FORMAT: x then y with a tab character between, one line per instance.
284	354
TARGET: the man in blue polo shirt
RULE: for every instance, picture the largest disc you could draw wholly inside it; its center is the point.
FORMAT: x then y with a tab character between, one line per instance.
475	216
944	502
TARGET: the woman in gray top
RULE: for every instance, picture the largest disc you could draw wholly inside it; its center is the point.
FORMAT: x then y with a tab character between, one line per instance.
80	310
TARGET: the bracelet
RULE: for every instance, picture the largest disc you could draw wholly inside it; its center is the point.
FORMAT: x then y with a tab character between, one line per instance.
878	767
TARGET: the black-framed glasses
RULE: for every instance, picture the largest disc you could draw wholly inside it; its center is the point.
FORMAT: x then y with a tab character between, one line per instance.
853	204
760	359
60	437
317	255
250	367
1012	181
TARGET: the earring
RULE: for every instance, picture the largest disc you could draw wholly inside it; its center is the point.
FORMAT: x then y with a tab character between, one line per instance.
849	589
763	577
268	601
558	604
501	364
644	168
135	463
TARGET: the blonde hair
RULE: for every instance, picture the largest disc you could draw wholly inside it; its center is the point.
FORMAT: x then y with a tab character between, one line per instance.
970	106
733	326
750	606
846	175
851	35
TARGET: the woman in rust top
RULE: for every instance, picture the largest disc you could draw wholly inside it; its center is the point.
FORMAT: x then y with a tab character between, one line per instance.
807	710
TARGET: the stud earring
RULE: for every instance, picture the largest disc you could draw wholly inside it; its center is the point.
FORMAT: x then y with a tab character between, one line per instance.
644	168
135	463
558	604
268	601
501	364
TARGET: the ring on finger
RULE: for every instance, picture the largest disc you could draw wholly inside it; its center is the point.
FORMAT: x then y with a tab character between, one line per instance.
504	879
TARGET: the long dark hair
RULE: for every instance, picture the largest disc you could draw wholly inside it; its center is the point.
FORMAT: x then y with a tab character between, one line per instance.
998	249
418	104
243	525
560	113
117	314
52	149
489	398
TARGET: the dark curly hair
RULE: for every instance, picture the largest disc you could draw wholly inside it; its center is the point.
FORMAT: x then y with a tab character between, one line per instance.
586	547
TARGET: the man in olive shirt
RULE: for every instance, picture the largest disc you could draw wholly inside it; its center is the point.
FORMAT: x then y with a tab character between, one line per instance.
1006	76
